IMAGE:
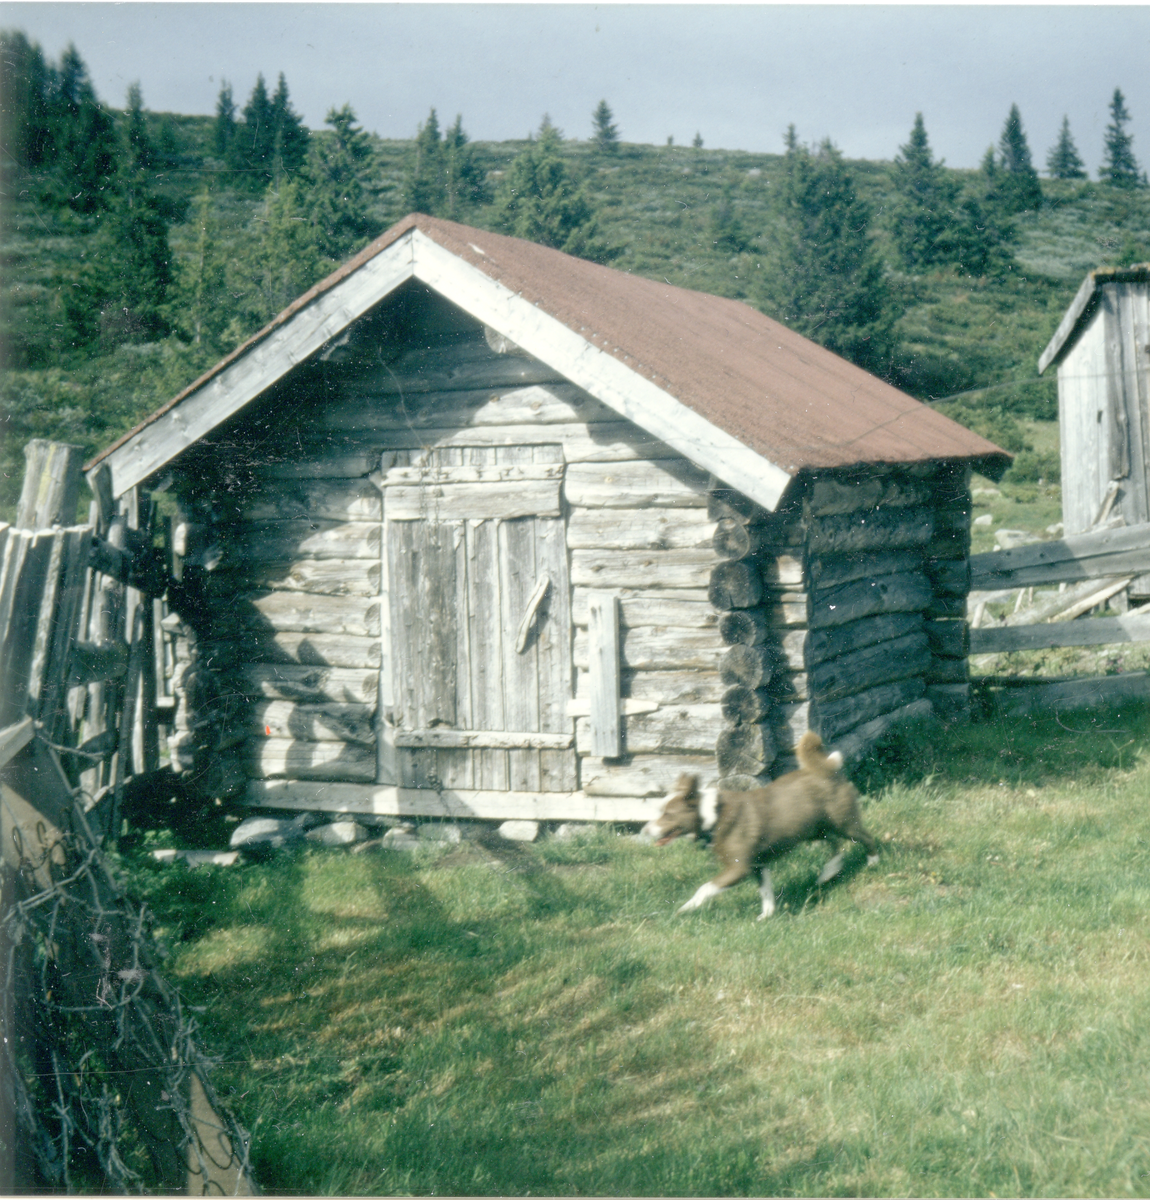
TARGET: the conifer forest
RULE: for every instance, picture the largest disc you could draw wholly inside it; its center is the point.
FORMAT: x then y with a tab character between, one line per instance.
140	247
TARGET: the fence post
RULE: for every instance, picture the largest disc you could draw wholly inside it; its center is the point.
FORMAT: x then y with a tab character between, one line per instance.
51	484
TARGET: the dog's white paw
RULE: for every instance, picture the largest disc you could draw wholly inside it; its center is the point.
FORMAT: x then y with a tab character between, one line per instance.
871	859
833	867
701	897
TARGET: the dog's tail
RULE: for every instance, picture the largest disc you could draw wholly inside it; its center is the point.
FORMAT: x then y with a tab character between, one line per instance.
812	756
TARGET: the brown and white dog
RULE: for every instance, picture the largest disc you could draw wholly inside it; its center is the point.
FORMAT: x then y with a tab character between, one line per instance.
749	830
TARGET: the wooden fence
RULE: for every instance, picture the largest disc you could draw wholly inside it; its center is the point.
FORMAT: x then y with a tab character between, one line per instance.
78	718
1091	569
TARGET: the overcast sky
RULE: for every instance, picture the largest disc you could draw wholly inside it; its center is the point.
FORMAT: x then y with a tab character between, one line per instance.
737	74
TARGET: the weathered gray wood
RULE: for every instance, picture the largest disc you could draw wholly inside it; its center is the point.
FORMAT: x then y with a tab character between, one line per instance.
303	613
464	366
726	504
950	577
864	598
830	497
306	649
266	758
1102	631
483	739
882	662
51	484
604	665
835	718
736	539
948	639
882	529
1072	693
641	529
680	728
323	577
682	609
1111	552
735	585
642	568
289	541
457	803
829	642
690	686
947	670
854	745
91	663
13	739
827	573
330	722
788	686
786	609
328	461
517	496
744	627
308	685
745	750
644	648
746	706
750	666
783	570
600	441
23	576
666	483
319	500
645	775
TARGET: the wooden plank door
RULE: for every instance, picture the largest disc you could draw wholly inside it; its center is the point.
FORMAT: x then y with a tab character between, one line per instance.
480	621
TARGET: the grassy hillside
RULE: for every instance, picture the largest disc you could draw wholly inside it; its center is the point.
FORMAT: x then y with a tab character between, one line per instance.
971	343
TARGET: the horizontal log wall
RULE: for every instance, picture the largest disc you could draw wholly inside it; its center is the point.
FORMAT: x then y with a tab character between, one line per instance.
281	543
844	611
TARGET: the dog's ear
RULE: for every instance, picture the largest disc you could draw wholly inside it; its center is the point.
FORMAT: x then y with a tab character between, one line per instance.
687	789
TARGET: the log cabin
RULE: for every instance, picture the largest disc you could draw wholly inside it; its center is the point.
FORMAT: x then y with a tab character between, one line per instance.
1101	352
478	529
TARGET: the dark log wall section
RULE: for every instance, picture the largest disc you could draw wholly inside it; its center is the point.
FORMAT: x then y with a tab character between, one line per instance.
844	611
738	628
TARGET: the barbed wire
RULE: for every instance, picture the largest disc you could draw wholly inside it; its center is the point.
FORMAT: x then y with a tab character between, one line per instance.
111	1087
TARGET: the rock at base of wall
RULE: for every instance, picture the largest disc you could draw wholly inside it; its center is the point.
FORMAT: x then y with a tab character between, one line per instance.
519	831
338	833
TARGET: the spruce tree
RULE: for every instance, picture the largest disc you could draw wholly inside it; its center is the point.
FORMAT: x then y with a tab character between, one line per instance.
86	146
923	214
465	183
1018	188
225	127
825	278
1063	161
290	142
606	134
201	294
335	195
253	144
1119	166
542	200
425	189
27	82
141	151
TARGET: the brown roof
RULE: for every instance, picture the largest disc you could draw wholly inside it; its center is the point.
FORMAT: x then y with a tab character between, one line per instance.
791	401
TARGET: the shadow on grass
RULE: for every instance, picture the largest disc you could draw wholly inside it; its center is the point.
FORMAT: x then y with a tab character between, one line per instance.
1030	750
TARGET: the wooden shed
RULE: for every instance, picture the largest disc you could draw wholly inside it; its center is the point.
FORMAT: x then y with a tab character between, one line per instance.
475	528
1102	353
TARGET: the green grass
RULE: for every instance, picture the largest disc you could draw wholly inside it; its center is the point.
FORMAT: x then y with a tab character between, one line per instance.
966	1018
